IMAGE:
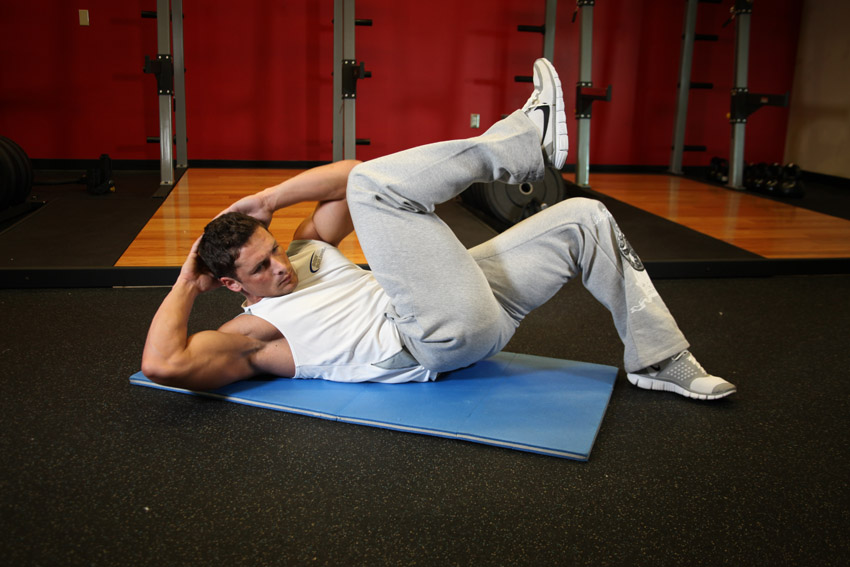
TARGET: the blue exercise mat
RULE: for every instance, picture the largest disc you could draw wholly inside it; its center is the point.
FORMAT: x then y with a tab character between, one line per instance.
529	403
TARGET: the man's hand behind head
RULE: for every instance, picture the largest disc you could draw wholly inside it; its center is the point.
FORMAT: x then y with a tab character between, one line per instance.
195	273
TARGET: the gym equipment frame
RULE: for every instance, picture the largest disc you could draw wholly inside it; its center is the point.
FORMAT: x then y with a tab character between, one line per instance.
346	73
685	85
548	31
744	103
171	87
586	94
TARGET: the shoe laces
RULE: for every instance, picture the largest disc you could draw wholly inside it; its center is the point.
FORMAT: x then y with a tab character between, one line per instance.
691	358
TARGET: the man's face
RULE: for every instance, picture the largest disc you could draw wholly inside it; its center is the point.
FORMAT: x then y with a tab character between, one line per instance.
262	269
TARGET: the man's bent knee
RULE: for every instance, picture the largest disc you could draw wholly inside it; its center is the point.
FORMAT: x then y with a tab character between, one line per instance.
584	210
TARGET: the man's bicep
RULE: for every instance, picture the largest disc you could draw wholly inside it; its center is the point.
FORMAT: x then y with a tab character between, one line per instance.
214	358
234	356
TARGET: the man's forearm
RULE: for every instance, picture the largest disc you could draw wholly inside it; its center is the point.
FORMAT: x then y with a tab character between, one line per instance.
323	183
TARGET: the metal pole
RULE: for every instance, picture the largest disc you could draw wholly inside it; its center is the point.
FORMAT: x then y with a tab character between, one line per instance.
179	84
350	149
585	72
549	30
684	87
742	56
344	141
337	82
163	46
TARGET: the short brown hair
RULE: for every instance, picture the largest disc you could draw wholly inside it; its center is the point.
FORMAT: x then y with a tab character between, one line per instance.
223	238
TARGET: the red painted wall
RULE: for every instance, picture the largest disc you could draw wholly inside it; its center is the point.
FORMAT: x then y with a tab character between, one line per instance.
259	76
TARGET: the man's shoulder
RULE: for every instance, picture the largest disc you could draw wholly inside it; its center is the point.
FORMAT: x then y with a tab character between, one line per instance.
251	326
273	354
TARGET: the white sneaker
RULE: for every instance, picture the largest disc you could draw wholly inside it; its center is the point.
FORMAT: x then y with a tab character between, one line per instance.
545	108
685	376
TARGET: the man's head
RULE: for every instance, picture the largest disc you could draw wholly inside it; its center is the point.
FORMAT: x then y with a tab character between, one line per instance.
244	256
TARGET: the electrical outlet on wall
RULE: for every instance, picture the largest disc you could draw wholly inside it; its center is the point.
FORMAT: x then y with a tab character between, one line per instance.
84	17
475	121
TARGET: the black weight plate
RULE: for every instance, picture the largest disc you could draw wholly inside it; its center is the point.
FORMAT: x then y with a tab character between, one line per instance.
507	202
468	196
7	178
512	203
473	196
22	168
26	166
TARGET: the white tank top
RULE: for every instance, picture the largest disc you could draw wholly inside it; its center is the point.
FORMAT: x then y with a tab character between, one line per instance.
334	320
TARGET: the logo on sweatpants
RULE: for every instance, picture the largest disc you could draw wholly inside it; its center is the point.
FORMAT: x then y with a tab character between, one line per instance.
627	251
625	248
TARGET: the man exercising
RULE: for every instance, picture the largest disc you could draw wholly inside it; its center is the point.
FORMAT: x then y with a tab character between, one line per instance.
428	305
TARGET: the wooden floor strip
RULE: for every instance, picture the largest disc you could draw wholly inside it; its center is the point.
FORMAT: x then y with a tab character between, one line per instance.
199	196
763	226
769	228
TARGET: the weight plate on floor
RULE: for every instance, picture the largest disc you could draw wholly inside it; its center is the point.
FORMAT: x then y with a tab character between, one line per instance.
513	203
8	178
23	170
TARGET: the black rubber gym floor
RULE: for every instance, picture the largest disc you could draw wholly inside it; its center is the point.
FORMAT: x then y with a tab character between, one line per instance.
74	228
98	472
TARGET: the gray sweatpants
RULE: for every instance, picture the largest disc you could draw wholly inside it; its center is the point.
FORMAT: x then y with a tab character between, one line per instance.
455	306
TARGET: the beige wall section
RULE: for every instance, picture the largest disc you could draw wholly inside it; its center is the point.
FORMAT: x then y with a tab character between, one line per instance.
819	122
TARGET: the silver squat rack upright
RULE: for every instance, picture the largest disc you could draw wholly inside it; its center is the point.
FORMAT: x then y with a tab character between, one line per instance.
346	74
171	87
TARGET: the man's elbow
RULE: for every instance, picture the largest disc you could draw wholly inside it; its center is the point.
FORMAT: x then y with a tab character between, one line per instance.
162	371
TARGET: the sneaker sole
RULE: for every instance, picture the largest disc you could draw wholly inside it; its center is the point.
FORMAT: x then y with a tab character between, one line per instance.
647	383
559	145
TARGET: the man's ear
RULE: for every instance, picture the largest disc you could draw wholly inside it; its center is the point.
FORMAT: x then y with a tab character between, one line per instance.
231	284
